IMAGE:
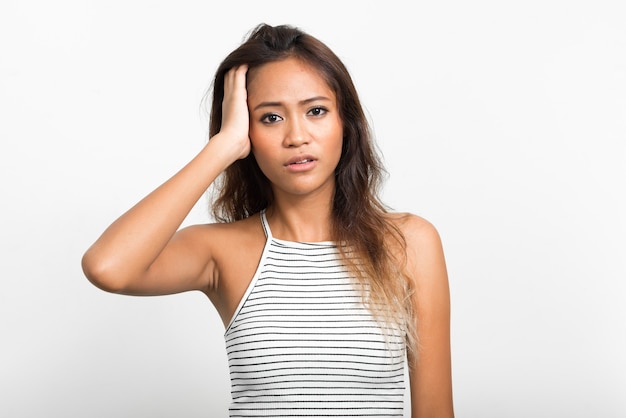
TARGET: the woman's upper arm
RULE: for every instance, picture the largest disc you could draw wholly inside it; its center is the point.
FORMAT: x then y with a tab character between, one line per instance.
430	369
184	264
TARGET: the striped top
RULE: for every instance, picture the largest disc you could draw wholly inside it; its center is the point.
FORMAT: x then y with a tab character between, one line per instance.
302	344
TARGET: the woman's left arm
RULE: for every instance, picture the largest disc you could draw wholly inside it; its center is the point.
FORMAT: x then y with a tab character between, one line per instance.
430	370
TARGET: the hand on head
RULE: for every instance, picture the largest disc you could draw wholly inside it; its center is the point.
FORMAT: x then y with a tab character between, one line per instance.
235	115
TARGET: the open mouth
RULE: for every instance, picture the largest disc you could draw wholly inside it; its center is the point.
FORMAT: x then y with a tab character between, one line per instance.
302	161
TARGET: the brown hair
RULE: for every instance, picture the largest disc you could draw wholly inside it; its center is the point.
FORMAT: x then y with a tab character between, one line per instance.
359	218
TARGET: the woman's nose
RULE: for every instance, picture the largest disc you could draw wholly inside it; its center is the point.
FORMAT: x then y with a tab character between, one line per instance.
295	134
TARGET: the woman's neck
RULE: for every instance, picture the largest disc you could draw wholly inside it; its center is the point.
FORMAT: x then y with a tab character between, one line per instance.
304	219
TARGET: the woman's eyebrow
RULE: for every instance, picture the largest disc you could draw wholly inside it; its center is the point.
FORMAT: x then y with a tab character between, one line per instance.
302	102
314	99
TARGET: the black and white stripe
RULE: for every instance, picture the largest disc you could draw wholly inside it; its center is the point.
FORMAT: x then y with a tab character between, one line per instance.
302	343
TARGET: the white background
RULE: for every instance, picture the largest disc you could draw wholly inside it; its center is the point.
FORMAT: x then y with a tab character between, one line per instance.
502	122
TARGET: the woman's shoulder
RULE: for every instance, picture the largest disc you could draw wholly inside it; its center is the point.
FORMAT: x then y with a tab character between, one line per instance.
227	245
413	226
421	238
223	233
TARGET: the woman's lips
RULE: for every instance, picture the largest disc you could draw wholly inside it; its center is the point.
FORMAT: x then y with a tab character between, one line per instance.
301	163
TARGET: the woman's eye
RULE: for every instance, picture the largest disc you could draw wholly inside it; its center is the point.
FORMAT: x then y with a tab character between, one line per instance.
270	118
317	111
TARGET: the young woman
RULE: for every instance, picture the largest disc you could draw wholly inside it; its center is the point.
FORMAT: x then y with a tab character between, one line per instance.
323	292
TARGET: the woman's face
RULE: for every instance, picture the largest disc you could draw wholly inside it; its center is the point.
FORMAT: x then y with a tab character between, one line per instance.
295	127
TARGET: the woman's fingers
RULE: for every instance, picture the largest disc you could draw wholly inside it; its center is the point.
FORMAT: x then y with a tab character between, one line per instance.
235	115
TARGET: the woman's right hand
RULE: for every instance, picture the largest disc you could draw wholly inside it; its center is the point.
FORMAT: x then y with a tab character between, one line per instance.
235	115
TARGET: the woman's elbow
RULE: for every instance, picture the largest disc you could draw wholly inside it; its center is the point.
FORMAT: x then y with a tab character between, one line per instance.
100	273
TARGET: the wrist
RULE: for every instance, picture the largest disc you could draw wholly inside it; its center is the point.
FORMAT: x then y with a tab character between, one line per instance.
229	147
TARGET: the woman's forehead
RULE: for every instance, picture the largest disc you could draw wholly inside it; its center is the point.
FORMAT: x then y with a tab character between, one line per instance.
287	79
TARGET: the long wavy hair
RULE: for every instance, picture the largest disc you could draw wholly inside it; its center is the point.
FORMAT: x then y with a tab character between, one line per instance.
375	248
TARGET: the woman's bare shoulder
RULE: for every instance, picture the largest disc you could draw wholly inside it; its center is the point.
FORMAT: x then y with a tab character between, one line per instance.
413	227
217	235
221	247
423	246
